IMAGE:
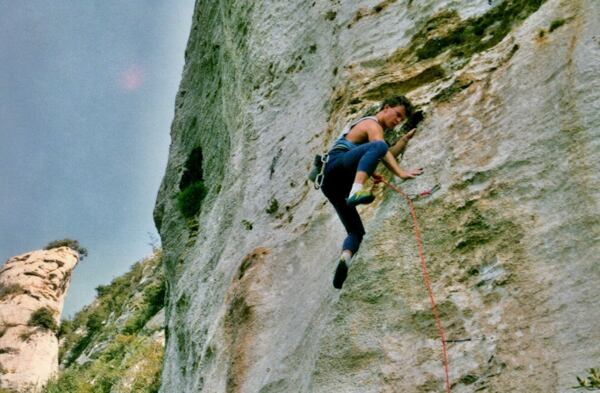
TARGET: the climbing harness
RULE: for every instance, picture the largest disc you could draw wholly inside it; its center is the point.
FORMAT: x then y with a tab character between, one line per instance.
315	169
379	179
317	173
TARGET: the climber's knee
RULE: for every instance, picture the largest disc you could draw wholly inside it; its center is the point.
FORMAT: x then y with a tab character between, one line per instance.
380	147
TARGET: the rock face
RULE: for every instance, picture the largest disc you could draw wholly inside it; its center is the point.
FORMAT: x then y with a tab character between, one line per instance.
33	287
511	93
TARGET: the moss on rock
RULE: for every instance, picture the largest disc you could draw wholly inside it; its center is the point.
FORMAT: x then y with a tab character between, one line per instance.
446	32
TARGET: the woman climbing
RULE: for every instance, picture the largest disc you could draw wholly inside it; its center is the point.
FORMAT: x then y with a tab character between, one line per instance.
352	160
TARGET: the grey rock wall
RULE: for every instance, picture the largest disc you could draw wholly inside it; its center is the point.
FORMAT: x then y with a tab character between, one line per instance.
511	135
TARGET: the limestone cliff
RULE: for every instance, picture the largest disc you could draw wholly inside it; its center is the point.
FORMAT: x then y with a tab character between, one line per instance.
511	93
33	287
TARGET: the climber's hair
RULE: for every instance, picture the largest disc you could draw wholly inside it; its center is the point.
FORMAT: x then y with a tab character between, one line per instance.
397	101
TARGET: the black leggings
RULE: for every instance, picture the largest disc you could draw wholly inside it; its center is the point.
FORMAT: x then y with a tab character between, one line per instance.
339	176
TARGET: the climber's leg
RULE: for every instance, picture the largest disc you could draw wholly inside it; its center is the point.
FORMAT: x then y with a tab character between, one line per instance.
362	161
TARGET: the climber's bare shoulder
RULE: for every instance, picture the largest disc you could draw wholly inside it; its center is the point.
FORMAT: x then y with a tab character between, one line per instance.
365	131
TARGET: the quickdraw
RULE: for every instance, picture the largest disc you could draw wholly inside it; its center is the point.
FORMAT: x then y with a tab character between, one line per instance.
321	175
425	193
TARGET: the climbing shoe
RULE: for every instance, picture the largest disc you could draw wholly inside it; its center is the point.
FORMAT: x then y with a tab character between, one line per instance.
341	272
360	197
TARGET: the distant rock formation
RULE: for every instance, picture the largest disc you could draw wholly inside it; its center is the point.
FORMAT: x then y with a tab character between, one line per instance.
33	287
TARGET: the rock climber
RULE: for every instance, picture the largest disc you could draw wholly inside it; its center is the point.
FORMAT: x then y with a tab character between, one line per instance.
352	160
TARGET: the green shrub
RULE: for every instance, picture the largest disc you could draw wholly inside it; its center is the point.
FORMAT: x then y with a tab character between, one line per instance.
80	345
67	382
154	300
247	225
155	296
95	321
99	319
273	206
556	23
43	317
128	363
191	186
189	200
71	243
591	382
75	345
114	295
65	328
103	290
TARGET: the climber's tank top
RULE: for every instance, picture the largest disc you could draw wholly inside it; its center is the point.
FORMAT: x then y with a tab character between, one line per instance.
342	143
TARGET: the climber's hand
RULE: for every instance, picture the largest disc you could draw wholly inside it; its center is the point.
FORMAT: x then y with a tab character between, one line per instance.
408	136
410	173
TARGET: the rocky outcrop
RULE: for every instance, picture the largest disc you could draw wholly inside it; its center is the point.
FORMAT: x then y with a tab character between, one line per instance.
511	93
33	287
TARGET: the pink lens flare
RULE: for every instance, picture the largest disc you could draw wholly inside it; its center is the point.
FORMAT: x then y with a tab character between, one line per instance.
132	78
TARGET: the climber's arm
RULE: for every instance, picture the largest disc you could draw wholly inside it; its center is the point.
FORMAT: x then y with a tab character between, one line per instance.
390	163
399	147
375	133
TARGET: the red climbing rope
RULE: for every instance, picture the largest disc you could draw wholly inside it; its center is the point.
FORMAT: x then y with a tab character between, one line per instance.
378	178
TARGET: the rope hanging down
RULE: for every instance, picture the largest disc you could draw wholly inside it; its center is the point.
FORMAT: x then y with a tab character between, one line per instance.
379	179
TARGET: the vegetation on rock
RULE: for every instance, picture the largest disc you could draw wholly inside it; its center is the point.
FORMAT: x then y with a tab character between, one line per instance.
591	382
131	363
192	188
7	291
154	301
475	34
107	346
189	200
247	225
273	206
556	23
71	243
44	318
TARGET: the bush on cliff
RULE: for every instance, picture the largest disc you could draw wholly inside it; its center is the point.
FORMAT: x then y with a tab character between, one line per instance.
71	243
127	303
189	200
191	186
127	364
154	300
43	317
591	382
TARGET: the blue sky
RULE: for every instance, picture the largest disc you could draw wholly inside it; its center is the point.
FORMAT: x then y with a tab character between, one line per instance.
87	93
